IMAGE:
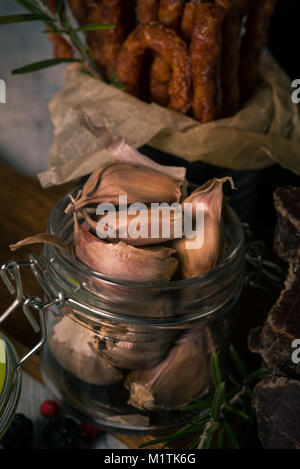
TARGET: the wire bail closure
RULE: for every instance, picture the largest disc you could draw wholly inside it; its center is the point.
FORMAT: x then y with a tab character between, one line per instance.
11	276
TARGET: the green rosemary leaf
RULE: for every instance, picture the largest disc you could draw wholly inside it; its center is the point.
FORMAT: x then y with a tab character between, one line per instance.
210	434
238	362
59	5
200	405
256	374
238	412
176	436
34	67
218	401
230	436
93	27
220	440
194	444
215	369
22	18
234	381
29	6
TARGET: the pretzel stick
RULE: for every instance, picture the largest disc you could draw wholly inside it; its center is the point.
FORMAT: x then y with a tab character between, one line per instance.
253	43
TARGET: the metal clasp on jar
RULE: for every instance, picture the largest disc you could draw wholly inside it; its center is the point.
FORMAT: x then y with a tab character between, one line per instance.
11	276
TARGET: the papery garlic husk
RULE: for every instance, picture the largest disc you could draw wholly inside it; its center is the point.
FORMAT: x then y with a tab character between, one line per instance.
168	224
197	261
44	238
125	153
139	184
74	347
123	261
182	375
136	347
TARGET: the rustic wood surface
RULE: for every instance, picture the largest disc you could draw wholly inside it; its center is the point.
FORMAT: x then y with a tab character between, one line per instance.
24	210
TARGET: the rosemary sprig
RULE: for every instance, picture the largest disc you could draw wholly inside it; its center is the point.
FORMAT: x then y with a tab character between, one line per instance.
58	24
230	400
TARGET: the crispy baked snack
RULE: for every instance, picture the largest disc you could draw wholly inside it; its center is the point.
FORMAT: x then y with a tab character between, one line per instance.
61	49
206	48
230	57
253	43
171	47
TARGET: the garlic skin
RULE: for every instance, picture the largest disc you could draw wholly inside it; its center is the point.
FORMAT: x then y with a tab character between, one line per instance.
195	262
138	183
44	238
182	375
74	348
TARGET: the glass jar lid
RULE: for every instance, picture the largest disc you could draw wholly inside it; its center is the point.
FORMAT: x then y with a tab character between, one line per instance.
10	363
10	383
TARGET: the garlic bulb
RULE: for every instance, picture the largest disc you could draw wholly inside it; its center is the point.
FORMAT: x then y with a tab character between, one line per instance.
74	348
201	259
182	375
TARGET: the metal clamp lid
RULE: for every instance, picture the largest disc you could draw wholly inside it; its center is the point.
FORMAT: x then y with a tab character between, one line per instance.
10	273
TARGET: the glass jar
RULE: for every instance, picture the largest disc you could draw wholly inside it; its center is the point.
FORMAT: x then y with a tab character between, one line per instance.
128	356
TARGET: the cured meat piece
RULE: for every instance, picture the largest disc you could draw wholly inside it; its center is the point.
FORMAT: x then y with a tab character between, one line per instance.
187	20
173	50
170	12
274	340
277	404
147	11
230	57
287	233
206	48
253	43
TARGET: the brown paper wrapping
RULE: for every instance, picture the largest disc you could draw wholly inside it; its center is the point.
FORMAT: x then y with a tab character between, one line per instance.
265	131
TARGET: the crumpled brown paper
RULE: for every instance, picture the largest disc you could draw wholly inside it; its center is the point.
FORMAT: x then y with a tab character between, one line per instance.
266	130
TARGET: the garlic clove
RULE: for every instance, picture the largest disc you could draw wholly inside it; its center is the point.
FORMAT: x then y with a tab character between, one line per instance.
204	258
73	346
122	261
182	375
151	225
139	184
130	347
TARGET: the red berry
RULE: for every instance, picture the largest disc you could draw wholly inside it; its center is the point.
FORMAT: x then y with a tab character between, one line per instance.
89	432
49	409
